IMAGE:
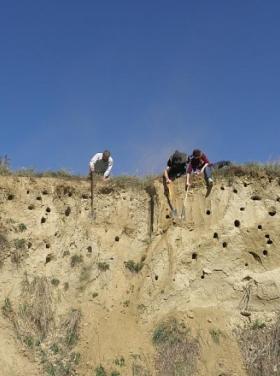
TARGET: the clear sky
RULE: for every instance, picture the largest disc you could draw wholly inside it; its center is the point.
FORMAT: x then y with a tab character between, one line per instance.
141	78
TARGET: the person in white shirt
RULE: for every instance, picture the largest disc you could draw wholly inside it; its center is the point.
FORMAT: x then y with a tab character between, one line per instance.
101	164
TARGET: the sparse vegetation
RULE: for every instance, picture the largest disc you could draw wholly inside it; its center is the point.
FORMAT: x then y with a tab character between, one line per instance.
258	324
103	266
35	326
19	243
134	267
76	260
22	227
54	348
7	308
216	334
18	253
71	326
100	371
177	351
5	165
55	282
85	273
120	361
260	346
254	170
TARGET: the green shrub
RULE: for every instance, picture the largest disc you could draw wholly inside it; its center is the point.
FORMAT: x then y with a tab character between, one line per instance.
215	334
19	243
103	266
55	282
133	266
100	371
22	227
7	308
258	324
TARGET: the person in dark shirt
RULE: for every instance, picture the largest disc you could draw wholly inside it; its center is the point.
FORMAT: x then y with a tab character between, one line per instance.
199	164
176	166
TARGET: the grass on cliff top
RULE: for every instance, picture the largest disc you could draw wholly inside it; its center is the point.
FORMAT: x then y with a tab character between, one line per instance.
253	170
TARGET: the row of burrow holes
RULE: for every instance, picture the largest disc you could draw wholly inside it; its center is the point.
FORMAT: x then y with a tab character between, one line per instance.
67	212
269	241
48	210
48	245
255	197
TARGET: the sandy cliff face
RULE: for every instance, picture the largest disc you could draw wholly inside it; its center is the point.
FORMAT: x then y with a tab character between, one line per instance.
134	266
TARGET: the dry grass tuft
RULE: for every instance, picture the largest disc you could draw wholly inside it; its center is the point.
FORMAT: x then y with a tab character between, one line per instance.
260	347
38	305
177	350
51	342
71	326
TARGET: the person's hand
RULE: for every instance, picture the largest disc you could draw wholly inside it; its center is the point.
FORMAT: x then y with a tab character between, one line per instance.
105	178
197	172
187	186
168	181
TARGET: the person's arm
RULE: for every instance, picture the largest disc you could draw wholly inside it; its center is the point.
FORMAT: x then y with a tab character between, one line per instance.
166	175
108	171
203	168
93	160
188	180
189	171
205	162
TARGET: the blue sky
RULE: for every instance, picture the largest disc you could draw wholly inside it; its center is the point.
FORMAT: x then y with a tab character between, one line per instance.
141	78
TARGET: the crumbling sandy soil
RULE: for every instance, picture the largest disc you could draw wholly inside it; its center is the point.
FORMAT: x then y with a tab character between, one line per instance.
134	266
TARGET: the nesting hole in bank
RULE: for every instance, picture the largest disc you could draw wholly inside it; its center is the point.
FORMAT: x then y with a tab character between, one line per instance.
237	223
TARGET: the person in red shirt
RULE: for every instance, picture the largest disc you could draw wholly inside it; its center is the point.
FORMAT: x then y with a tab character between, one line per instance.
199	164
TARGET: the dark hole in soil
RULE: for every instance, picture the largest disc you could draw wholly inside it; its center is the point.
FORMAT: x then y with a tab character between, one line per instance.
43	220
68	211
265	253
117	238
194	256
236	223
